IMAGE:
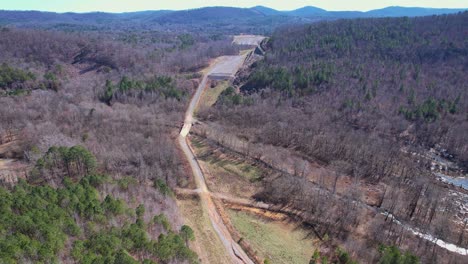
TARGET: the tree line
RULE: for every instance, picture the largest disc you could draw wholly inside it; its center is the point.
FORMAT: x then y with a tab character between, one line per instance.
365	99
38	220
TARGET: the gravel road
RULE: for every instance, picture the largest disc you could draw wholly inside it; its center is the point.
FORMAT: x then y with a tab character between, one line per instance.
235	251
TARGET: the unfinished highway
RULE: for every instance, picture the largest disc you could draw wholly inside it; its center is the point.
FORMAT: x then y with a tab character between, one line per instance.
224	68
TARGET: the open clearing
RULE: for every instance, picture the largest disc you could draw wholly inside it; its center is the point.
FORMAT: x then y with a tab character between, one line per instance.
207	244
210	95
226	67
230	164
223	68
225	173
251	40
281	242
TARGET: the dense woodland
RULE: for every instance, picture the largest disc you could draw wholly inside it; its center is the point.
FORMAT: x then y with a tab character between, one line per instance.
365	98
380	75
76	213
38	222
93	118
92	112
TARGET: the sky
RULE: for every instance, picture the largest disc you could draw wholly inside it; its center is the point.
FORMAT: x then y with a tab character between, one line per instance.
140	5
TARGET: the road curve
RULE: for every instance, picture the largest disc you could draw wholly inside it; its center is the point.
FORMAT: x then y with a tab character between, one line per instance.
235	251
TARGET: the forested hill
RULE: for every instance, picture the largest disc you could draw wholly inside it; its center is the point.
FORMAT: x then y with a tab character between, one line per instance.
420	40
87	153
374	101
393	76
257	19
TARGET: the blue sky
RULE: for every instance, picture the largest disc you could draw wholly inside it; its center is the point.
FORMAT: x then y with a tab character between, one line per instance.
139	5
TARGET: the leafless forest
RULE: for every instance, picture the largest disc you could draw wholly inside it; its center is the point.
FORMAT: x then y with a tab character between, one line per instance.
122	100
364	100
352	119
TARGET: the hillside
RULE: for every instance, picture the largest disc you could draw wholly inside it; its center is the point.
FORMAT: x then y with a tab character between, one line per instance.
399	73
302	136
360	118
29	17
266	10
398	11
307	11
87	154
391	11
259	19
208	15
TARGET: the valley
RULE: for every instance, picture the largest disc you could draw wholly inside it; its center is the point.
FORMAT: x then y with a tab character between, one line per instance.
234	135
216	169
318	145
224	68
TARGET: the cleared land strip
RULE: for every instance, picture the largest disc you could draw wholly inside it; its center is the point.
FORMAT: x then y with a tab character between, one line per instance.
250	40
229	65
229	199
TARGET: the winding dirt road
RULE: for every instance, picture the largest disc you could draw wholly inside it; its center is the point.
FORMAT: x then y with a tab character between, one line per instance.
235	251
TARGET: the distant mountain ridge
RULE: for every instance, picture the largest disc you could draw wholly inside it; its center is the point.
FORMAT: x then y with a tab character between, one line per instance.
208	14
307	11
396	11
391	11
213	15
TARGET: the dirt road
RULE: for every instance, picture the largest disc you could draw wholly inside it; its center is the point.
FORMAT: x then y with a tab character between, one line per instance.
235	251
227	66
224	67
